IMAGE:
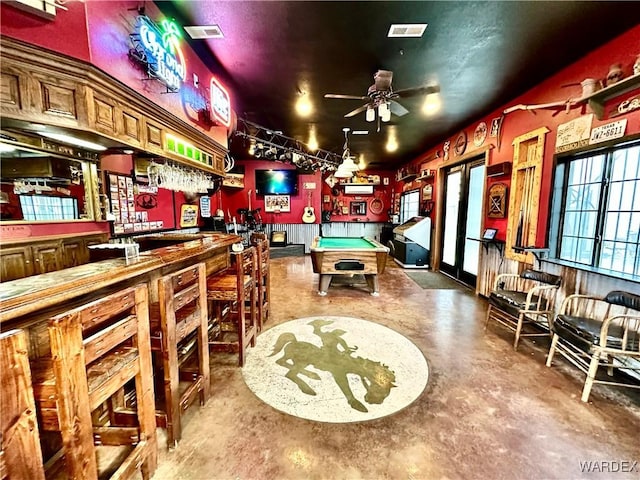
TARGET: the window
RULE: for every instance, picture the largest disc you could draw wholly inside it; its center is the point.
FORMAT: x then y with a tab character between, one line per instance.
43	207
409	205
596	214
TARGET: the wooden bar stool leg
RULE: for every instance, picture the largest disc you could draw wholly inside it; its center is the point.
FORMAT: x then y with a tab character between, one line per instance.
20	454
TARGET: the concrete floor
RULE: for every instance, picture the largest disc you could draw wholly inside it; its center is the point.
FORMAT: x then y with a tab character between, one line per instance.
487	412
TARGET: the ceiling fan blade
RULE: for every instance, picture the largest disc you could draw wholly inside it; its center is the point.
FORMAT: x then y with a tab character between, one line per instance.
357	110
397	109
347	97
423	90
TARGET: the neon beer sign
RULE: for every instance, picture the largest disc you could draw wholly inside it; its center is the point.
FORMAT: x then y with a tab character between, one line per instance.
161	48
220	103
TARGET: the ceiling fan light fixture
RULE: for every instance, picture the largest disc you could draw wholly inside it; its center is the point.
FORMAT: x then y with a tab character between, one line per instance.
385	112
370	116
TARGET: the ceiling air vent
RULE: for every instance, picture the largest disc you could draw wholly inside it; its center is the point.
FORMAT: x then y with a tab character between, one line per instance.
200	32
407	29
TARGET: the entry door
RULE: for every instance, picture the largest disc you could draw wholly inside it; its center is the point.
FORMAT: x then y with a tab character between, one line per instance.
462	220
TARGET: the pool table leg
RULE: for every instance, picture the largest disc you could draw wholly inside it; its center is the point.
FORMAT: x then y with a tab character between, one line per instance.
323	286
372	283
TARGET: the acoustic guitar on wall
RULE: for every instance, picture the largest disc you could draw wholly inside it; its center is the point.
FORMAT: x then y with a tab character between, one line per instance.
309	215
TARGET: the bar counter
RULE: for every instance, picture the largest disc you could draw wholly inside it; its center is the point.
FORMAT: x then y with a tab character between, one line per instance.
31	294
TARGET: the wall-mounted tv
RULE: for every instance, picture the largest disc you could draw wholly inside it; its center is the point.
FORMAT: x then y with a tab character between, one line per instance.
277	182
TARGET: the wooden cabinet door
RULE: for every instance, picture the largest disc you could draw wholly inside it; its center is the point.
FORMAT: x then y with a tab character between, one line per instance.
15	262
73	253
47	257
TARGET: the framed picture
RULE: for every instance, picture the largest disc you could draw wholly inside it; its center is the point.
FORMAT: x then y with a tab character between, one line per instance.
427	192
495	126
277	203
358	208
489	233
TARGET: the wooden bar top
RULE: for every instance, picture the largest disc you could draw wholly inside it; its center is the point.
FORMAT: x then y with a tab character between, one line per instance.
30	294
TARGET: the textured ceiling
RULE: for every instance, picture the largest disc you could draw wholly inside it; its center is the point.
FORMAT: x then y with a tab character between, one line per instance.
481	54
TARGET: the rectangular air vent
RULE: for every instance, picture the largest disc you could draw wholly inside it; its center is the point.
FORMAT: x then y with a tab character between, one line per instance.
200	32
407	30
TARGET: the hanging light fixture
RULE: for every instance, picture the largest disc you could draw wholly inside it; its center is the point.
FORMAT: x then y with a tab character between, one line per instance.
348	166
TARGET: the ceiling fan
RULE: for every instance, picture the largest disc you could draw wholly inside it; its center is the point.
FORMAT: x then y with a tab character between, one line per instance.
381	97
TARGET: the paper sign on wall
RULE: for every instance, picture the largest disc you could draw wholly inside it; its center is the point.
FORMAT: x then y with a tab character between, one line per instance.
188	216
574	134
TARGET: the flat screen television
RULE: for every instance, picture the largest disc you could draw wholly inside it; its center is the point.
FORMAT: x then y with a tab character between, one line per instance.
277	182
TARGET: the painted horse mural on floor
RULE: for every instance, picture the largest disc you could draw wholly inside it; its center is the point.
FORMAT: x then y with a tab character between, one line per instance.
336	357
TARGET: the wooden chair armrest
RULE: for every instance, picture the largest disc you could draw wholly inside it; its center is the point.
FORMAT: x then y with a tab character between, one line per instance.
538	291
624	318
576	297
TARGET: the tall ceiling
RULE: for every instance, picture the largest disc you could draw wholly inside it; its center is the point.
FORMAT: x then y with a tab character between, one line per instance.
481	54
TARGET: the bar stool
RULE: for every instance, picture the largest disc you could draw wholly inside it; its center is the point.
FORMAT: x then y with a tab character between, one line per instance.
20	452
261	243
97	387
232	325
180	345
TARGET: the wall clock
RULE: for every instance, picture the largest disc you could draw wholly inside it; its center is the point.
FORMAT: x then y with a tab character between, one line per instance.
461	143
480	134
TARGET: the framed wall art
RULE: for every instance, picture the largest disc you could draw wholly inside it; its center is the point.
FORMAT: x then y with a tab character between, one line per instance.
277	203
497	201
427	192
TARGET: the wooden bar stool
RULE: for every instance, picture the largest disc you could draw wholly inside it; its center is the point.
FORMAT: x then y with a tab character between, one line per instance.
233	325
20	452
264	278
181	350
96	389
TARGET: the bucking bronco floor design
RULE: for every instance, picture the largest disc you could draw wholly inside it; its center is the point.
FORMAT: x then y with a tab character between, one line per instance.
335	369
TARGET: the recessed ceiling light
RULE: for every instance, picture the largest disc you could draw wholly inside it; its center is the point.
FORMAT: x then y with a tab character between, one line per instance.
407	30
360	132
199	32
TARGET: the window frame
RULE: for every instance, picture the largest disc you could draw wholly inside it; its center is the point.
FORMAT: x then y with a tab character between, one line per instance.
557	217
63	208
403	203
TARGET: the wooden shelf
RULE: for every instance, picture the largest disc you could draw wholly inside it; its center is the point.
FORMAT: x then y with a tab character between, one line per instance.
598	99
425	178
499	169
408	177
499	244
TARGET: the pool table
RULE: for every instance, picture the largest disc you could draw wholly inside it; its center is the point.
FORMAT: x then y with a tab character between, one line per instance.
348	256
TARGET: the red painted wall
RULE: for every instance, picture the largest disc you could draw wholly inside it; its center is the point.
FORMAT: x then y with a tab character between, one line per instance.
98	32
382	192
624	49
235	198
110	24
66	34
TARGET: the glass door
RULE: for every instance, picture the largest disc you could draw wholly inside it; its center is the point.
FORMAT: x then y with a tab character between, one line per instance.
462	221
